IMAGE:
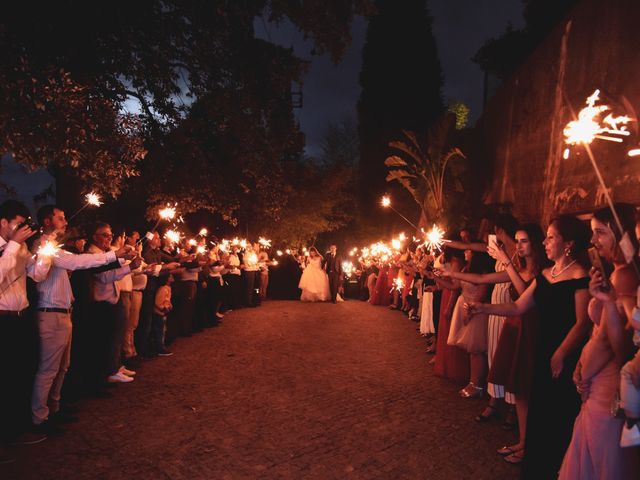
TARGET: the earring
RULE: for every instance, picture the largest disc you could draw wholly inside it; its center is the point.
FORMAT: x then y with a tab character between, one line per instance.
567	252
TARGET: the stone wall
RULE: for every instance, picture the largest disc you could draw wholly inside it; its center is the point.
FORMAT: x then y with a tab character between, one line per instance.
596	47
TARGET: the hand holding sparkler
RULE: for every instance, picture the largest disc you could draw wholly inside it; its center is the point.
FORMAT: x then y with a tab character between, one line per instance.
435	239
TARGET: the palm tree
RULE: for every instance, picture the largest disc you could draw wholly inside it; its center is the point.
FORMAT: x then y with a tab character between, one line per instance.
422	170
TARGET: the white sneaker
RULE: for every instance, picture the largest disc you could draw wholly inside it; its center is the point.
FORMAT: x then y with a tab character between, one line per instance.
127	372
630	436
119	378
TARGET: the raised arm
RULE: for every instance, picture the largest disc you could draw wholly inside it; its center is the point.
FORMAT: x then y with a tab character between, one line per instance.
479	278
520	306
475	246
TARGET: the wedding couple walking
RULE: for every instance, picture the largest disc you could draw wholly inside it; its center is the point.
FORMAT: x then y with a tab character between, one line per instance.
321	277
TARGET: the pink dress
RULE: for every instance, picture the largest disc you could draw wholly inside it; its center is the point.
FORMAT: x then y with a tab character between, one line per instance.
594	452
381	293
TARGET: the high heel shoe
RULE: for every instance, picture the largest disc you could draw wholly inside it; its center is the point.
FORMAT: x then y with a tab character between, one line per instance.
471	391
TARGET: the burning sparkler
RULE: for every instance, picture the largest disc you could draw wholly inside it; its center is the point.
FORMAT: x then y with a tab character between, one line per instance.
173	236
279	253
435	239
584	130
264	242
203	232
386	203
92	199
398	284
201	250
192	242
49	249
347	268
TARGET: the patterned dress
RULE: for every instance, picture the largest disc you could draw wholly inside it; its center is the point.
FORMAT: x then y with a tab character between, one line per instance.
500	294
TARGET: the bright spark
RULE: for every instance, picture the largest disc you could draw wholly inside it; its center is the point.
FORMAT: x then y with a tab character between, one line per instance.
167	213
386	201
93	199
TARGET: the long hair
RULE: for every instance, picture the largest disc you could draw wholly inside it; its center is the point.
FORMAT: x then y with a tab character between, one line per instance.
627	215
571	228
539	260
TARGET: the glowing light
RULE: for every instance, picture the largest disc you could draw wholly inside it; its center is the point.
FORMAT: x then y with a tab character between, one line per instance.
93	199
172	235
264	242
635	152
49	249
435	239
386	201
252	259
590	126
288	252
279	253
396	244
201	249
304	249
203	232
402	237
167	213
192	242
398	284
243	243
347	268
274	263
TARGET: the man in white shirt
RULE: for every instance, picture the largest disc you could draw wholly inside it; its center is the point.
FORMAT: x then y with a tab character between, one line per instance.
55	300
16	326
105	292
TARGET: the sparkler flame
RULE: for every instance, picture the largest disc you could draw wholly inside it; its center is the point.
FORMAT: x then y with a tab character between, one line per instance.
192	242
173	236
264	242
167	213
201	249
279	253
398	284
203	232
347	268
386	201
435	239
93	199
590	126
49	249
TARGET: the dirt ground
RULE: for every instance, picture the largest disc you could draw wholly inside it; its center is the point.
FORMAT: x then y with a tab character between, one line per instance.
287	390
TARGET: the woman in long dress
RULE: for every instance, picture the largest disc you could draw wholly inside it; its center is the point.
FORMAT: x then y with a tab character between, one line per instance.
561	296
314	282
594	452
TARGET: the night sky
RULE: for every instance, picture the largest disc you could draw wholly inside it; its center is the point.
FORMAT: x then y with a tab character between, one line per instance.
460	26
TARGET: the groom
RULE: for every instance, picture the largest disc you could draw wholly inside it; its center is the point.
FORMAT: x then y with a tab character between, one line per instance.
333	267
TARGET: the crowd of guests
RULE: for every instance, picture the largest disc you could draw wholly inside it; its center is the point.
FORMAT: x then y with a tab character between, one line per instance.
529	321
546	326
81	310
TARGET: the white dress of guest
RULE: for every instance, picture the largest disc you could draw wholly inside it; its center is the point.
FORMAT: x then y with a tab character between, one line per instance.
314	282
500	294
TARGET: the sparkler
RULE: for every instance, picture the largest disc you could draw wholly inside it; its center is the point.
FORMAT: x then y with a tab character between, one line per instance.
435	238
49	249
92	199
386	203
264	242
347	268
201	250
584	130
192	242
203	232
398	284
279	253
172	235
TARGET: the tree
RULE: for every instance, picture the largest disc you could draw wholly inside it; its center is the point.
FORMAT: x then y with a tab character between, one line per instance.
189	65
322	193
501	56
425	166
401	81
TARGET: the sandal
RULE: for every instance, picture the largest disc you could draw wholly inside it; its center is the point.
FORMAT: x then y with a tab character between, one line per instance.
508	450
471	391
487	414
515	458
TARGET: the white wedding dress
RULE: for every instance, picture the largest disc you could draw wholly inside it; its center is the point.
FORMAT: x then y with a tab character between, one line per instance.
314	282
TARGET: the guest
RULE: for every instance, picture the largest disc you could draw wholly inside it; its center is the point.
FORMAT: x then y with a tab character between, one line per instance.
561	296
18	335
161	307
250	272
263	261
594	451
138	284
233	279
466	331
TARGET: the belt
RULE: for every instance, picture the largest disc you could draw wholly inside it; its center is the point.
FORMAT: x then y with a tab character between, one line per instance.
55	310
138	290
13	313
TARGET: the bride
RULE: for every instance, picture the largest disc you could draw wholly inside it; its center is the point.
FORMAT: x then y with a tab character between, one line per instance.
314	281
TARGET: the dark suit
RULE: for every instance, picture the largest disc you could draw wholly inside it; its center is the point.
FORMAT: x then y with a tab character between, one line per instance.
333	267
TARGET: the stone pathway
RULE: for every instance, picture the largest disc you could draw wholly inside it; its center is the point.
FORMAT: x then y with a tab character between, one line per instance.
288	390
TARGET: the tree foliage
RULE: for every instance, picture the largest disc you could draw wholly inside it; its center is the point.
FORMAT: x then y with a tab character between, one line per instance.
401	81
215	107
501	56
427	168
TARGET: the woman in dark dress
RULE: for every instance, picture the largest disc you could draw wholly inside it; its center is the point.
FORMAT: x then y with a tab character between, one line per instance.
561	296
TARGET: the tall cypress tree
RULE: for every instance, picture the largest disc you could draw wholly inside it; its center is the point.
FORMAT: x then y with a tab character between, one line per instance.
401	82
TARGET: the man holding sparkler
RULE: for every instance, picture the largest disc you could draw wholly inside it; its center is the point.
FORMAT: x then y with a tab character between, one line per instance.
55	299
